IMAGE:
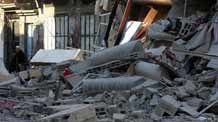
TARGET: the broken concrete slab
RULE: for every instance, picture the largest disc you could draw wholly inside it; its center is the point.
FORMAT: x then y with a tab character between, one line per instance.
55	56
195	103
156	51
8	82
188	109
167	105
156	31
181	93
138	113
204	92
213	97
119	117
213	51
77	113
190	87
154	101
105	120
202	119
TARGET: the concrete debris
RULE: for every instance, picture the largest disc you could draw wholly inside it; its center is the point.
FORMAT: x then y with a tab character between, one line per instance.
167	105
55	56
169	76
119	117
189	110
155	72
3	70
76	113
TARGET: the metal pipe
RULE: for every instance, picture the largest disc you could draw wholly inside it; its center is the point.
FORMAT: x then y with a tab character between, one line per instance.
155	2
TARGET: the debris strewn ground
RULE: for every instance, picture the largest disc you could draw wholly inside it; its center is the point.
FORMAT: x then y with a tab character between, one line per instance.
169	77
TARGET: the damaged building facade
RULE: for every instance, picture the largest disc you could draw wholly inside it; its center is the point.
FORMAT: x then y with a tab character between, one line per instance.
110	61
46	24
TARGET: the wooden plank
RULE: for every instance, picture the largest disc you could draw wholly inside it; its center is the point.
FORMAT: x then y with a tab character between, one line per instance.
147	22
123	22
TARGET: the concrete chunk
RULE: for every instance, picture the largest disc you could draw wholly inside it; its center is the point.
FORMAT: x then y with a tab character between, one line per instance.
190	87
189	110
119	117
167	105
181	93
149	70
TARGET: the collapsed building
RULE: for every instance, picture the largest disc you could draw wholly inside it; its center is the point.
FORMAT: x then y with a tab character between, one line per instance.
157	64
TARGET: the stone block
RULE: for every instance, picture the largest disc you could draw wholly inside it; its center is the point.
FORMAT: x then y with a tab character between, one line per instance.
190	87
188	109
167	105
119	117
181	93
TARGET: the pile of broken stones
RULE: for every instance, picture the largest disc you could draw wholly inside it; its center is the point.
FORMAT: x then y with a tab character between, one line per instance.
172	77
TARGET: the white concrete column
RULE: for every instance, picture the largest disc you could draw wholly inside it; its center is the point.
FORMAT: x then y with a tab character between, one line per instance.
49	27
1	33
22	22
3	70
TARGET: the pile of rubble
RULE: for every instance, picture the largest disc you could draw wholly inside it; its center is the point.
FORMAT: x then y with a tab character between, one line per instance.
170	77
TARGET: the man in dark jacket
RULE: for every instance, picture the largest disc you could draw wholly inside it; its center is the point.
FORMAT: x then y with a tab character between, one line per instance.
19	61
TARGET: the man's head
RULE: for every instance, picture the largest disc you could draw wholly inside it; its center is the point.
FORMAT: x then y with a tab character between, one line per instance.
18	49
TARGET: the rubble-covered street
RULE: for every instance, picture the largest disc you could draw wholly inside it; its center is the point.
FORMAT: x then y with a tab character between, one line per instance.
164	70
